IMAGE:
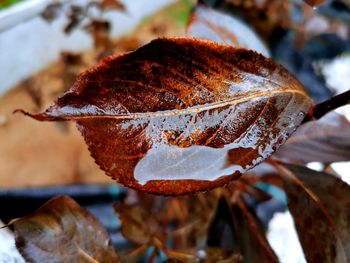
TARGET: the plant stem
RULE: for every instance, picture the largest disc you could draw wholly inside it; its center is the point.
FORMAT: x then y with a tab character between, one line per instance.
323	108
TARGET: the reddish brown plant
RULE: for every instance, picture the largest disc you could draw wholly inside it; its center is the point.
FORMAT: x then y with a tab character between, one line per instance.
182	115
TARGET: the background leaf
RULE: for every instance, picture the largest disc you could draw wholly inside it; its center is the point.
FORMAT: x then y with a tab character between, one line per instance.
315	3
323	234
138	225
112	4
235	223
325	140
62	231
206	23
207	255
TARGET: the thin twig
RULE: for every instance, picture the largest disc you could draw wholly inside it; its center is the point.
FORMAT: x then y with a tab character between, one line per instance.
323	108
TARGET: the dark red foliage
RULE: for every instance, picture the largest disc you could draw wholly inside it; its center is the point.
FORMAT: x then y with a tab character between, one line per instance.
182	115
320	205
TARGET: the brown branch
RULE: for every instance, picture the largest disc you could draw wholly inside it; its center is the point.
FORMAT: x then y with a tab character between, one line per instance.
323	108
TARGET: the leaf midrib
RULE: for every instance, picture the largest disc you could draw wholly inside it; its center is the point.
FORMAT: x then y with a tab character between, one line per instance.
194	110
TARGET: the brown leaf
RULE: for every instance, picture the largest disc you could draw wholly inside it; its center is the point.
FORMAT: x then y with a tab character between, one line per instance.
62	231
314	3
251	238
219	255
134	255
248	237
206	23
325	140
193	215
323	235
206	255
33	91
52	11
182	115
265	16
75	16
112	4
99	30
138	225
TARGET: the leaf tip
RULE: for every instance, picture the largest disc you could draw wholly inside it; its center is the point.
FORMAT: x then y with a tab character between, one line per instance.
44	116
39	117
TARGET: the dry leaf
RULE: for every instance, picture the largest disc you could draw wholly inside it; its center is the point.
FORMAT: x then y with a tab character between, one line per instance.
251	239
193	215
314	3
138	225
112	4
235	222
52	11
75	16
206	255
323	235
182	115
62	231
206	23
325	140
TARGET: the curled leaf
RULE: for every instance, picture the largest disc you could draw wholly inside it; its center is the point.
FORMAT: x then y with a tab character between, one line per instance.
62	231
206	23
182	115
323	234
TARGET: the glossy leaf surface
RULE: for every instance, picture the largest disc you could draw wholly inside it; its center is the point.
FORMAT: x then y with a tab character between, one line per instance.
206	23
62	231
325	140
322	223
182	115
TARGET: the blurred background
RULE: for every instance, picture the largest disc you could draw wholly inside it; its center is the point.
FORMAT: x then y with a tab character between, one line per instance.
45	44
